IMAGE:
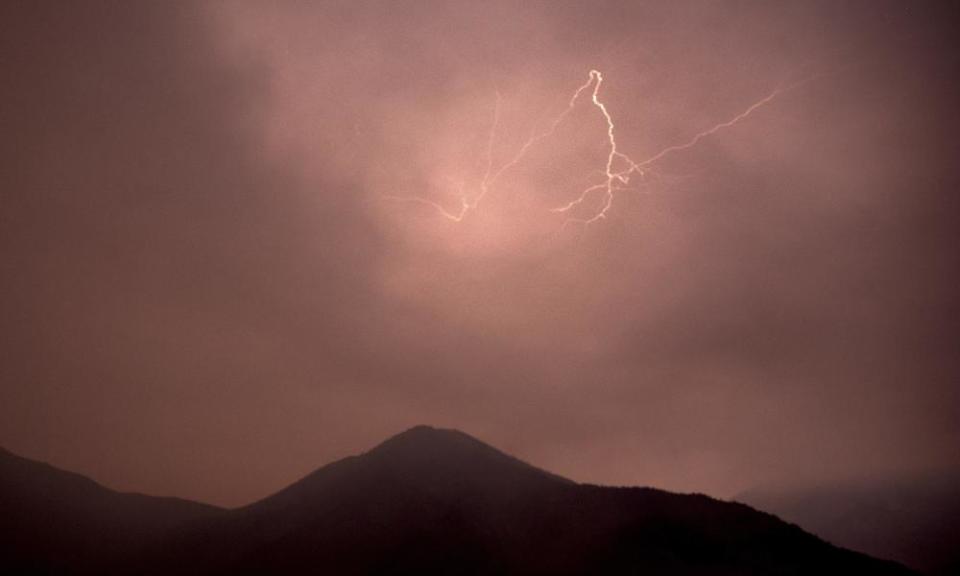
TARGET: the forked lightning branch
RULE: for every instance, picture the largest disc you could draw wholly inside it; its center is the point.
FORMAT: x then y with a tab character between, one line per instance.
615	175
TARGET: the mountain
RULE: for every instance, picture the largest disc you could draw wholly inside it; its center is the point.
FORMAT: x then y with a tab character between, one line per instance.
915	521
431	501
58	522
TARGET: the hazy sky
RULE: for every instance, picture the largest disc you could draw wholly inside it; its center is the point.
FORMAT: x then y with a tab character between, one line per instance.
224	259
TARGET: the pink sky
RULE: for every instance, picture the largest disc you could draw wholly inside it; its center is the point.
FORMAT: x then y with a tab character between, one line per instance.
211	288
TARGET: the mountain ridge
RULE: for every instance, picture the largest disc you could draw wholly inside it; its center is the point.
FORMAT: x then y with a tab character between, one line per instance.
56	521
436	501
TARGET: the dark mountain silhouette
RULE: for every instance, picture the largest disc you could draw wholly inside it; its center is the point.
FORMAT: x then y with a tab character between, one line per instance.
915	521
58	522
434	501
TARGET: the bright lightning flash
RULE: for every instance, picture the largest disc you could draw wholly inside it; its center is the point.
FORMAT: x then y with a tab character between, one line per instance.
616	174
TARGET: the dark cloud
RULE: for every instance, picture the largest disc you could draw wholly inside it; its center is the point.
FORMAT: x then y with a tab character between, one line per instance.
208	292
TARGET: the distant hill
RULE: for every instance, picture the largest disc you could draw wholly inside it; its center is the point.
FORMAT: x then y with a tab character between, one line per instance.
916	522
431	501
58	522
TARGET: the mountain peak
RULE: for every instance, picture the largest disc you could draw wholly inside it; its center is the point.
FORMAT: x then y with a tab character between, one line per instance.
423	437
442	451
442	462
427	431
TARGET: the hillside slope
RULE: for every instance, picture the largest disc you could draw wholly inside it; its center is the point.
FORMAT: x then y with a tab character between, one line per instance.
57	522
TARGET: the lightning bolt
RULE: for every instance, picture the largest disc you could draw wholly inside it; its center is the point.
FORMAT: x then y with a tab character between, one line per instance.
490	177
617	172
617	180
613	179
